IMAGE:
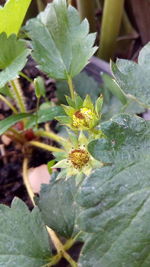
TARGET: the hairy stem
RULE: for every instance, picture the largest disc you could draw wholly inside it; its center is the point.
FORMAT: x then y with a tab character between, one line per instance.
18	95
6	101
87	10
111	21
46	147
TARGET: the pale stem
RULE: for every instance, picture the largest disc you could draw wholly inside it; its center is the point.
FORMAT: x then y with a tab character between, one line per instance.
111	21
51	135
26	180
40	5
71	87
60	247
5	100
18	95
46	147
25	77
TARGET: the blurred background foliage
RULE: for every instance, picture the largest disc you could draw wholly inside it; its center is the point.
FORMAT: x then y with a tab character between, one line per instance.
122	26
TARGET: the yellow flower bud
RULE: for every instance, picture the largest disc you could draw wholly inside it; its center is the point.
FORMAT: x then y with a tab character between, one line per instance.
83	118
79	158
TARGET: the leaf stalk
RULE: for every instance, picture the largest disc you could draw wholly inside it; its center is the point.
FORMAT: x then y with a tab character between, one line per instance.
6	101
71	87
46	147
51	135
111	21
18	95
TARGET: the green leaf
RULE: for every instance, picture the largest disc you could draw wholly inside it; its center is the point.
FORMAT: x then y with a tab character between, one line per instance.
23	237
126	140
134	78
6	91
44	115
11	120
83	84
113	106
114	88
12	15
115	199
61	43
58	207
13	57
39	87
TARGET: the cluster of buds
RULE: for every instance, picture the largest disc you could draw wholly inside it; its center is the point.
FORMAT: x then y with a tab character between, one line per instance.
81	115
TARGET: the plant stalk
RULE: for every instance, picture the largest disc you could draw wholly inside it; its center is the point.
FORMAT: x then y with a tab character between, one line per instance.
6	101
71	87
46	147
51	135
26	180
40	5
18	95
87	10
111	21
25	77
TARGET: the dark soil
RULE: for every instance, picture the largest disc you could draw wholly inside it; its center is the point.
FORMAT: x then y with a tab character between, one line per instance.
11	184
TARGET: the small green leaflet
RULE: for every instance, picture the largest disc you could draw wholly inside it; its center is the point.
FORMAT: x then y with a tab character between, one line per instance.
12	15
13	57
134	78
61	43
11	120
24	240
115	199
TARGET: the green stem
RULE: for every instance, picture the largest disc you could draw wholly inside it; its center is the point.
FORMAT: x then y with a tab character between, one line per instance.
46	147
127	26
71	87
51	135
53	261
18	95
111	21
40	5
37	107
4	99
25	77
87	10
26	180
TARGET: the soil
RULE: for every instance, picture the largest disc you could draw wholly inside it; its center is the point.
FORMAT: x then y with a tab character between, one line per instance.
11	184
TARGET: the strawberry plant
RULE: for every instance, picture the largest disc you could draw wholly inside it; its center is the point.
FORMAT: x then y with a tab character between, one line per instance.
99	195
